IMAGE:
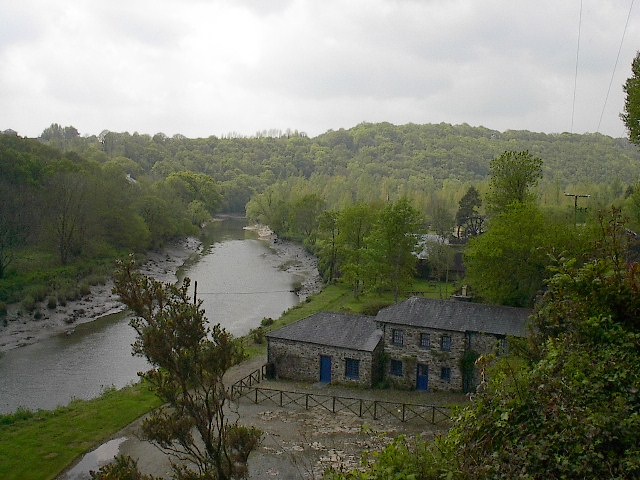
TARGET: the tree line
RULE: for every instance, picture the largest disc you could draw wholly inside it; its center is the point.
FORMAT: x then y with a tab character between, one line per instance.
62	208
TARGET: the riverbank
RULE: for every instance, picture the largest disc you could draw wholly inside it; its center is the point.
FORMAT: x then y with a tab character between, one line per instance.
292	258
23	329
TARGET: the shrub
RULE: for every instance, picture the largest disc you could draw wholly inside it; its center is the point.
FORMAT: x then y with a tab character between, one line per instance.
267	322
84	289
374	308
28	303
3	309
37	315
257	334
52	303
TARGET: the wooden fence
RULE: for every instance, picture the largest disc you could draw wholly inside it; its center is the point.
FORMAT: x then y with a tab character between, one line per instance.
365	408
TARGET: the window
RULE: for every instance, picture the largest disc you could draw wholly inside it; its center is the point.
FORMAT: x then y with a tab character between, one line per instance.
397	337
445	374
352	368
445	343
469	338
425	340
396	368
503	346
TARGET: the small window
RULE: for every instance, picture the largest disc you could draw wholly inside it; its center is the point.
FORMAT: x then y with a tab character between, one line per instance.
425	340
397	337
503	346
445	343
469	338
352	368
396	368
445	374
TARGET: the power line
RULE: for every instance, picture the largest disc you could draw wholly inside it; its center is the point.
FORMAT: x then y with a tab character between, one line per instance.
615	65
575	78
246	293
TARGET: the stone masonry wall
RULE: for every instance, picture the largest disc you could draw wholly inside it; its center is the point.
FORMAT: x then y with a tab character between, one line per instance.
410	353
301	361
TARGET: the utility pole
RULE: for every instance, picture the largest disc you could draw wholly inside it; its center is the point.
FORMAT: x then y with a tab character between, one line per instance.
575	204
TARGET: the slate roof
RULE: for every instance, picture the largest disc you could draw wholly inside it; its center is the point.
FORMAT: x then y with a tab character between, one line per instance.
355	332
457	316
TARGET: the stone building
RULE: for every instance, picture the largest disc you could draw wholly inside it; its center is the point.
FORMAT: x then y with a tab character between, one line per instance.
328	347
418	344
432	344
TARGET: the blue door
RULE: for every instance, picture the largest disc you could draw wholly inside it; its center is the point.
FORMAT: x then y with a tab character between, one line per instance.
325	369
422	377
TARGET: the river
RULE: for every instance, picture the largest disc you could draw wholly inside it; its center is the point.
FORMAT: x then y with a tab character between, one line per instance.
239	279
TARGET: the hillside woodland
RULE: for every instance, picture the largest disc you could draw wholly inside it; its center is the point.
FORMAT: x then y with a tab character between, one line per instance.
69	202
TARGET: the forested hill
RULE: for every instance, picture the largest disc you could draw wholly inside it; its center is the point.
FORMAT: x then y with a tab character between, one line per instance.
463	152
444	151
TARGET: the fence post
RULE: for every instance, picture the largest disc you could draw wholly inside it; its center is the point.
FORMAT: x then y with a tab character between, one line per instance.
306	401
403	409
256	392
360	408
280	397
375	409
333	407
433	415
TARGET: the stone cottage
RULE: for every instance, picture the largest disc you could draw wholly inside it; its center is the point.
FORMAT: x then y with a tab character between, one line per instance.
328	347
432	344
421	344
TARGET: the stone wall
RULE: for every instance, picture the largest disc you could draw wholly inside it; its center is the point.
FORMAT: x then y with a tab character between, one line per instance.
411	353
301	362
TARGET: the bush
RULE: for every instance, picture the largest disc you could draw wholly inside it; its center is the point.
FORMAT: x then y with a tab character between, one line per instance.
374	308
257	334
52	303
84	289
267	322
37	315
3	309
28	303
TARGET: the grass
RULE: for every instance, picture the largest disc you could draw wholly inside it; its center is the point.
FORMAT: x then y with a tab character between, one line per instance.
52	440
40	445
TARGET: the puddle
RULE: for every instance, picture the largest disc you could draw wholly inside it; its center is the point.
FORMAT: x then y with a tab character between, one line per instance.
94	460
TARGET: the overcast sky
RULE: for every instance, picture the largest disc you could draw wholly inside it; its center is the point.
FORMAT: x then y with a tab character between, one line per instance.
210	67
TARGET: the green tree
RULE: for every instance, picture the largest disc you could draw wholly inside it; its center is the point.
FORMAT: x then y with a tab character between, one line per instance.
189	360
392	245
354	226
441	219
304	215
190	186
507	264
513	175
327	244
631	115
468	218
68	213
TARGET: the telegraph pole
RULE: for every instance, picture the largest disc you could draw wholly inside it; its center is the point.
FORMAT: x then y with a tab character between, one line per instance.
575	204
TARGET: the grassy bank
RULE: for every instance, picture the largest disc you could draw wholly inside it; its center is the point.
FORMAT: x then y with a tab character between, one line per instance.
40	445
51	441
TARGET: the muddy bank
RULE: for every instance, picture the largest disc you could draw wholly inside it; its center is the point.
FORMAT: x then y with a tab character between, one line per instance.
23	329
293	258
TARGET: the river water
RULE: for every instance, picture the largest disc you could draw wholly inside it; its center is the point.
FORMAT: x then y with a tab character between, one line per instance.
238	279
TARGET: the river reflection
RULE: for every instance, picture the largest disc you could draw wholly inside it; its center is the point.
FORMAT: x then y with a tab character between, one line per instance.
238	280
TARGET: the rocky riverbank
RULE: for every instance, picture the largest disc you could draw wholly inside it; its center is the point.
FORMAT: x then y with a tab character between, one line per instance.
23	329
293	258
